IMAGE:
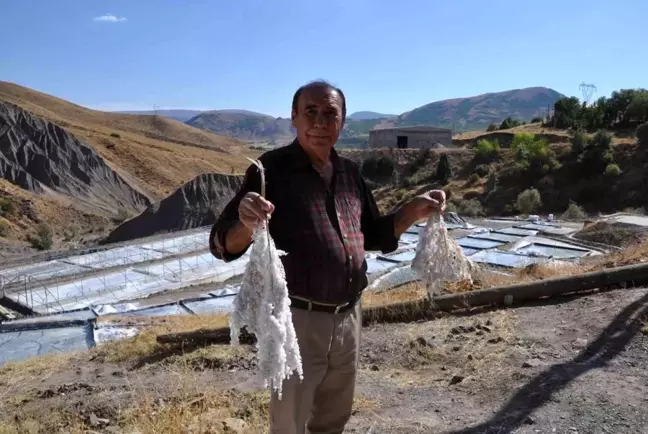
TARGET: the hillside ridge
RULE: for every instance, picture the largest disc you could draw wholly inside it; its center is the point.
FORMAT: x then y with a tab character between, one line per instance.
197	203
40	156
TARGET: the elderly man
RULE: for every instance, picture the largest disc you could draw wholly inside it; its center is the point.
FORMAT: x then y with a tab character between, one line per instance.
324	217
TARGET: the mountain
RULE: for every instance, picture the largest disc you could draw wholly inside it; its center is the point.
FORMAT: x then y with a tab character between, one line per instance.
179	115
471	113
196	203
365	115
42	157
245	125
478	111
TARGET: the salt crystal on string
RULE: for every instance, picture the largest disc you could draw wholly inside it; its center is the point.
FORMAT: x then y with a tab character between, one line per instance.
439	259
263	307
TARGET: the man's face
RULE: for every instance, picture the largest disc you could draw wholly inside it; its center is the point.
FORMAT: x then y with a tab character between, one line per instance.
318	118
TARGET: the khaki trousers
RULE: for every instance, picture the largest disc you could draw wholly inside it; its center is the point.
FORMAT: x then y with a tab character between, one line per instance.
321	403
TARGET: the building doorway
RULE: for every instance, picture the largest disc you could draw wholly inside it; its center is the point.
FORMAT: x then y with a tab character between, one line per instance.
401	142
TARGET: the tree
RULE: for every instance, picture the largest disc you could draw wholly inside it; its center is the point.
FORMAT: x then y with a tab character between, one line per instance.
638	108
443	172
528	201
642	134
509	122
491	127
567	112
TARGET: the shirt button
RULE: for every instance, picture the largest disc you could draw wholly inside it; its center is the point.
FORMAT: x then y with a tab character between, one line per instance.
350	279
350	257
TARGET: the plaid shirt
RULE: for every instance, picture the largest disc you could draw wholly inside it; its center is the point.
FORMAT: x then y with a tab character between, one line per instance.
324	231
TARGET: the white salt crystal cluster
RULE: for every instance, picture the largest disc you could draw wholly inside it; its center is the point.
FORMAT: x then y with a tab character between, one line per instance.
439	258
262	305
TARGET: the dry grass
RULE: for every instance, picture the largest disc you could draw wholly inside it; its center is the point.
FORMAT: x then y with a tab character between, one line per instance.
57	212
145	343
529	128
408	292
159	154
28	371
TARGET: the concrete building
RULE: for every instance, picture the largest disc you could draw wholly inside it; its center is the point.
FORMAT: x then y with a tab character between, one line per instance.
410	137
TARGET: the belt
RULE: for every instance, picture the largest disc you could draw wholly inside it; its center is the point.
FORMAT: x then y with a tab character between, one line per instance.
302	303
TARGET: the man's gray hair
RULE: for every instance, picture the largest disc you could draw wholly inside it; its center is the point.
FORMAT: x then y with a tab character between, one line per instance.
319	84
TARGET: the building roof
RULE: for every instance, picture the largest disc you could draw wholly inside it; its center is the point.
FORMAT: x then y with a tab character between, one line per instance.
413	129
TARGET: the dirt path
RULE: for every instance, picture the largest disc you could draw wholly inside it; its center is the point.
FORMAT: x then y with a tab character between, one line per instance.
577	365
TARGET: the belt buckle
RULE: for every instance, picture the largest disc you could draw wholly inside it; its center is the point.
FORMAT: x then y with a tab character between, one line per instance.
340	306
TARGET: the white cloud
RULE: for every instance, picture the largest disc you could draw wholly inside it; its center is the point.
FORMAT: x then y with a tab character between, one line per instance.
110	18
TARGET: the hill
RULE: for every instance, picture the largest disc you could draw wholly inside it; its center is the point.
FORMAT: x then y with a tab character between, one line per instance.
42	157
157	153
245	125
180	115
365	115
479	111
197	203
81	171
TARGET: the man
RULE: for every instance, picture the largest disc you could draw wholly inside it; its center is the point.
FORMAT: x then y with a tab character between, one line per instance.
324	217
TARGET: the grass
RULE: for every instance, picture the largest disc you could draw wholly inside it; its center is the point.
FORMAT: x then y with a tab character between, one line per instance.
145	343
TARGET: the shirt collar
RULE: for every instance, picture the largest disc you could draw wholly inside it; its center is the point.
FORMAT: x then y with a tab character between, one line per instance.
301	160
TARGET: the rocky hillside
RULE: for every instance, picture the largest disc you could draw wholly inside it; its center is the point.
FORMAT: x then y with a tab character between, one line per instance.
245	125
42	157
157	153
197	203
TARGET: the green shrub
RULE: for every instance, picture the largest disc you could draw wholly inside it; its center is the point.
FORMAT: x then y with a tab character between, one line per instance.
613	170
43	239
470	208
378	168
487	150
579	142
537	119
492	127
7	207
596	154
443	172
533	154
574	212
642	134
528	201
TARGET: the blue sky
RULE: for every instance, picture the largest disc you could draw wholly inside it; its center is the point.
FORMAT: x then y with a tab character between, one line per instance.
388	56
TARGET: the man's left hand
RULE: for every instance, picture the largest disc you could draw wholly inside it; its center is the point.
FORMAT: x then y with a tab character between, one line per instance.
420	207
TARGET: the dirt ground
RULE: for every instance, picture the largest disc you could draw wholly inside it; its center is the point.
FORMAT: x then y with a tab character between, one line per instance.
571	365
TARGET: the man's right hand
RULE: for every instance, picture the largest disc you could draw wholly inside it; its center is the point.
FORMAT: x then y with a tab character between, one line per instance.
254	210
